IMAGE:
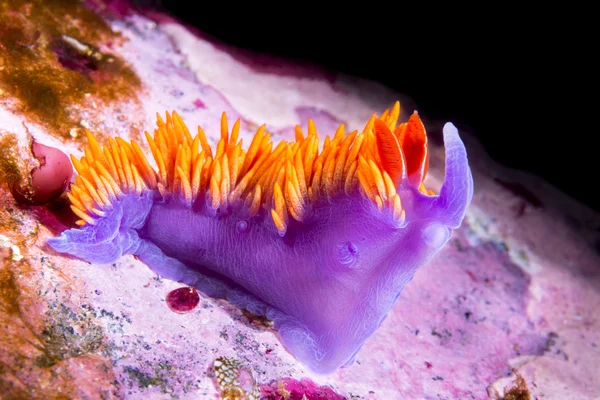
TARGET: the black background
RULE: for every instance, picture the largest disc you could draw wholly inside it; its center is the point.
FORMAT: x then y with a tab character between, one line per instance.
514	76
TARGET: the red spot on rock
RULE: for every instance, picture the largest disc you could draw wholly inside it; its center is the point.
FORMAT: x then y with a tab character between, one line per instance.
291	389
428	365
472	276
48	181
183	299
199	104
269	351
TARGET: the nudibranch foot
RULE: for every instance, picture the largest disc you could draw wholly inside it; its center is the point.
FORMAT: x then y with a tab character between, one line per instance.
319	242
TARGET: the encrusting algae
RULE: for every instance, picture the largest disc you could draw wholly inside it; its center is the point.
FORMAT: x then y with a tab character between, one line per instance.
285	180
50	62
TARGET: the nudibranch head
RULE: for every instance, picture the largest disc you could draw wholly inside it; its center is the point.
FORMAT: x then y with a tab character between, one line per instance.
319	239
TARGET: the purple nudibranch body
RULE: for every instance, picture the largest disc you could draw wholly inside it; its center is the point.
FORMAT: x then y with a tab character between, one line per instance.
325	267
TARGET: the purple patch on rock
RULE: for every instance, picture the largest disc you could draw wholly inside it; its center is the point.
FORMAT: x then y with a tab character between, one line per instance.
292	389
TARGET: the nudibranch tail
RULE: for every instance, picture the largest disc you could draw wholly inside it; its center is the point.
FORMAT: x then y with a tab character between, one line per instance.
285	180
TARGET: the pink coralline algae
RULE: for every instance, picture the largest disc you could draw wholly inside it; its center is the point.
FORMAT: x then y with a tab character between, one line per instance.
292	389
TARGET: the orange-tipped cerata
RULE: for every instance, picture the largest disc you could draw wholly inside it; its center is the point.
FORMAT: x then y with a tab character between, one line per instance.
284	179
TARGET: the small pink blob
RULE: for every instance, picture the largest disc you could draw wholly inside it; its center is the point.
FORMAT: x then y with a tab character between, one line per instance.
291	389
199	104
183	299
48	181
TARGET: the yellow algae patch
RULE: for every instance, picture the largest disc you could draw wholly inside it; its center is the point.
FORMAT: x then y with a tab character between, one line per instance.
50	62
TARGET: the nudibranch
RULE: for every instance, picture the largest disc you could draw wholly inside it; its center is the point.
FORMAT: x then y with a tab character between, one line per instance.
320	240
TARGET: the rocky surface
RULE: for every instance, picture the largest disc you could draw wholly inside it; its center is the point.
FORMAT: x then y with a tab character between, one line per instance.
508	308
